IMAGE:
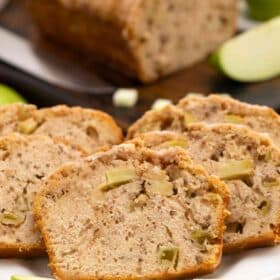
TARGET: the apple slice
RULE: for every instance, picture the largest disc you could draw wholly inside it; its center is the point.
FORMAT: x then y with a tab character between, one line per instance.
17	277
8	95
264	9
252	56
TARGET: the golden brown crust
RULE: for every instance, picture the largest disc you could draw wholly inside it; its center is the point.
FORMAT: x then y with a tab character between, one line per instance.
21	251
169	115
237	107
202	269
108	132
114	24
265	240
84	114
78	24
253	109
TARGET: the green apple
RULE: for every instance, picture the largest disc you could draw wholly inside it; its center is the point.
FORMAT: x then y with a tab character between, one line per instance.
17	277
264	9
252	56
8	95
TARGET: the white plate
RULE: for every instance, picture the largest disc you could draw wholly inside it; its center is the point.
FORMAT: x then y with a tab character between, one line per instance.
259	264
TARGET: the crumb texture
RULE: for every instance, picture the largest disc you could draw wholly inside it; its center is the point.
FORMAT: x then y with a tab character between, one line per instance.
24	162
132	213
250	166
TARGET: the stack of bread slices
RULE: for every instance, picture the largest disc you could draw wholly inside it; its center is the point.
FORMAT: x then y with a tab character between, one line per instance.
191	182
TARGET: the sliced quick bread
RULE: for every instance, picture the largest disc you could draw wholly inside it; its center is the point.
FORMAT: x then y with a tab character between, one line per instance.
83	128
249	163
145	39
224	109
132	213
24	163
212	109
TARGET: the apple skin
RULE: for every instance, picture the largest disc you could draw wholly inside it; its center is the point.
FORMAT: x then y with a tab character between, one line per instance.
252	56
263	9
9	95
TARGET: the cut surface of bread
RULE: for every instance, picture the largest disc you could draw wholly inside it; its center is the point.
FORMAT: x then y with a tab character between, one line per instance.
248	163
132	213
224	109
24	163
146	39
83	128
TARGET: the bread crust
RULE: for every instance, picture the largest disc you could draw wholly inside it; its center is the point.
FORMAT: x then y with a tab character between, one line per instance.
202	269
107	30
103	118
169	114
236	106
267	239
24	250
257	110
91	22
110	132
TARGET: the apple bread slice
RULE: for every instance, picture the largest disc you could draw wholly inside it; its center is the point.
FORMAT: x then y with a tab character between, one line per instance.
224	109
85	129
248	162
132	213
24	163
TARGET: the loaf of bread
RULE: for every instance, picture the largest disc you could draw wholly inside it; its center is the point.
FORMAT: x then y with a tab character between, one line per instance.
132	213
224	109
24	163
144	39
249	163
83	128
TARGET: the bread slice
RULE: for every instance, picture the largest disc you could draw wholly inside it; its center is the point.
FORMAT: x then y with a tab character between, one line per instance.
83	128
144	39
224	109
24	163
132	213
249	163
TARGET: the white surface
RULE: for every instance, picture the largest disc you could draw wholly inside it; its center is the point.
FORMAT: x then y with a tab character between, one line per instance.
260	264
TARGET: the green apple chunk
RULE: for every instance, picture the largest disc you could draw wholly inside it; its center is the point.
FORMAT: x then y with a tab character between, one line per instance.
252	56
17	277
8	95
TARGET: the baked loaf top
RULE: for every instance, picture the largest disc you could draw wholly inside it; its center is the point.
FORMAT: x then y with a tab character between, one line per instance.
220	109
146	39
249	164
24	163
132	213
83	128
